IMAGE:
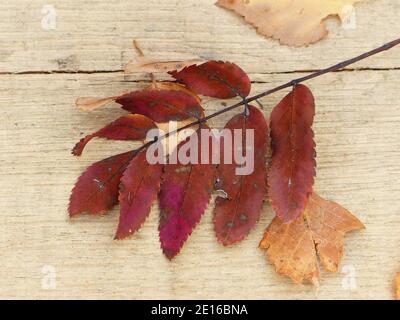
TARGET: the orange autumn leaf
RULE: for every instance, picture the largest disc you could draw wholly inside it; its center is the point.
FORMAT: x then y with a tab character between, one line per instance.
294	247
294	23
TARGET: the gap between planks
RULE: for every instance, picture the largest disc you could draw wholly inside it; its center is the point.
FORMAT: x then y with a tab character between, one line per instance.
122	71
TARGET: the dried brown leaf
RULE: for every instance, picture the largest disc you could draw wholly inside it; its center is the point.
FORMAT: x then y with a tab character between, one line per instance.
173	86
293	247
294	23
91	103
148	65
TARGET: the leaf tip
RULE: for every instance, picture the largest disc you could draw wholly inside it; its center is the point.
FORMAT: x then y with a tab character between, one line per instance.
118	237
78	148
72	213
123	232
170	253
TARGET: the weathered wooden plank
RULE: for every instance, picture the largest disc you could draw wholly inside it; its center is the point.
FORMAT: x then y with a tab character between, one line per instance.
96	35
357	132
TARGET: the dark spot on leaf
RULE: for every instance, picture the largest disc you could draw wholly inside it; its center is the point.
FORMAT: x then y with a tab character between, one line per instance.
129	198
101	185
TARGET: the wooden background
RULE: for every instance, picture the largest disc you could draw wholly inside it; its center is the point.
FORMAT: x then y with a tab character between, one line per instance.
43	71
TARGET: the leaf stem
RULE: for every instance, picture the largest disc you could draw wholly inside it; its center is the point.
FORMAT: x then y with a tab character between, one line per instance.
291	83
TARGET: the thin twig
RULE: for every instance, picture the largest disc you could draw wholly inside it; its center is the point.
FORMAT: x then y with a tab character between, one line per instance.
291	83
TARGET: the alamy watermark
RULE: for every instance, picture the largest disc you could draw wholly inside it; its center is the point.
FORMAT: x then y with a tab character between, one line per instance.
49	20
349	280
49	279
205	146
348	15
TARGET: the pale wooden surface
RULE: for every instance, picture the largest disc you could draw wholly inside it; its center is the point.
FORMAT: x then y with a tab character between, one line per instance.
357	132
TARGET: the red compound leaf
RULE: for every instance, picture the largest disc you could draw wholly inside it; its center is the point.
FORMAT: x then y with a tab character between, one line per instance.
184	196
129	127
96	190
162	105
238	212
292	171
139	187
216	79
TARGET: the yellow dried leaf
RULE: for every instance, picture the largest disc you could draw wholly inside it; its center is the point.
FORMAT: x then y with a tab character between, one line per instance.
293	247
143	64
91	103
293	23
173	86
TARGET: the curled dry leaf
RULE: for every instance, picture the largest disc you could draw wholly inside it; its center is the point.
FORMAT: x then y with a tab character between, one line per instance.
293	247
147	65
292	170
237	212
91	103
96	190
184	196
162	105
294	23
173	86
140	184
216	79
129	127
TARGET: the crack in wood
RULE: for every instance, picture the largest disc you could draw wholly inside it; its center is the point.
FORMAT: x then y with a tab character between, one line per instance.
141	80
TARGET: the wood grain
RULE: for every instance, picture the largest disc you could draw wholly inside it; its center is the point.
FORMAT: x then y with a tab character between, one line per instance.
357	131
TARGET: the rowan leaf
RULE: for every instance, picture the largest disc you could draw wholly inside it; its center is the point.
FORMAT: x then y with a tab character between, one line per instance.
96	190
92	103
292	170
293	247
129	127
294	23
184	196
238	212
162	105
139	186
216	79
